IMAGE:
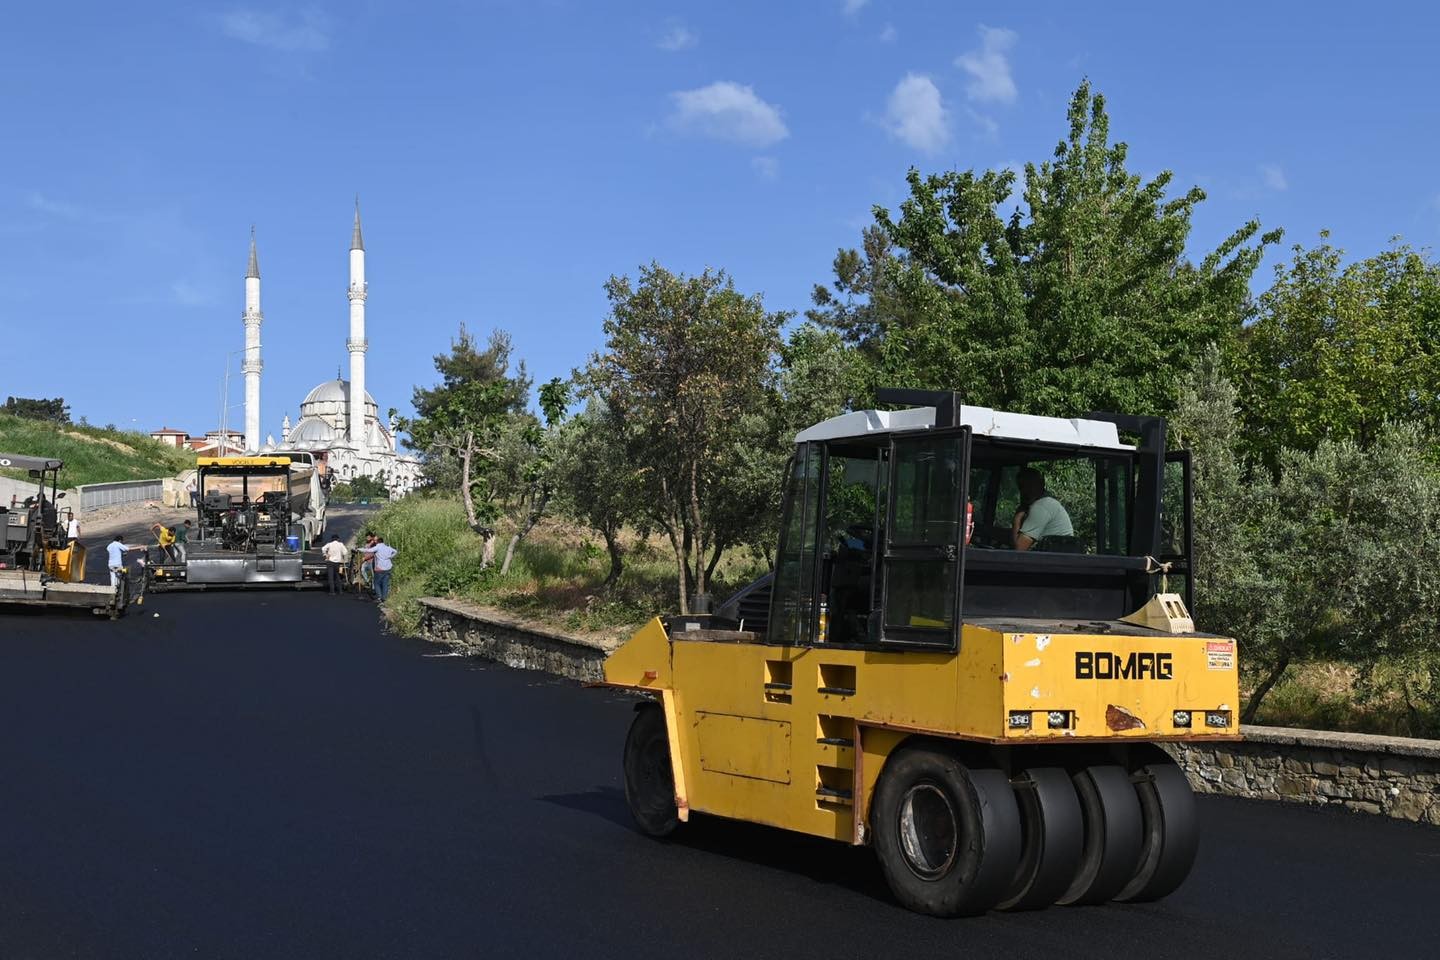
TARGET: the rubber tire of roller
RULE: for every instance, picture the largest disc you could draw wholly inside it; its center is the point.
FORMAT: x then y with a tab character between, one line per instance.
649	779
1113	832
1171	832
1053	838
987	841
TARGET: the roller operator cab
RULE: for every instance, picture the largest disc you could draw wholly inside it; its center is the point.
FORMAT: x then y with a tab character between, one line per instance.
973	644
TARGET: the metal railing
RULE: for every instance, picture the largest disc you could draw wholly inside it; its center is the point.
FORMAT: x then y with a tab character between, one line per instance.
94	496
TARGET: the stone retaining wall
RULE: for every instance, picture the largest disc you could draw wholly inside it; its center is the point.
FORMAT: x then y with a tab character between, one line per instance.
488	635
1391	776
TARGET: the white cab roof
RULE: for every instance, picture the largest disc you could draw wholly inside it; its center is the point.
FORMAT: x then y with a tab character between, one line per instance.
982	421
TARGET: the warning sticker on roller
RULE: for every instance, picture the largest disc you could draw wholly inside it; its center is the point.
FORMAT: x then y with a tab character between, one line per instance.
1220	654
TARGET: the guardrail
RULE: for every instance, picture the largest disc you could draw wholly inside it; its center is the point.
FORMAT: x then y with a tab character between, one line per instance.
94	496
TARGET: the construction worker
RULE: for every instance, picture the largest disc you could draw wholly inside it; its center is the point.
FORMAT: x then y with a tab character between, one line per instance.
115	558
384	555
336	556
1041	516
182	539
165	537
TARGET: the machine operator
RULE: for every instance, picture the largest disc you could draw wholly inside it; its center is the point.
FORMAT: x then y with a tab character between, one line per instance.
1040	515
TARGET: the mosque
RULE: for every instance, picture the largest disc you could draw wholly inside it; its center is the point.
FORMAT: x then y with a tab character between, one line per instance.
350	438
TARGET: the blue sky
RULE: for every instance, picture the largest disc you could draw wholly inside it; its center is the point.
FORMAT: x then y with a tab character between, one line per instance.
509	156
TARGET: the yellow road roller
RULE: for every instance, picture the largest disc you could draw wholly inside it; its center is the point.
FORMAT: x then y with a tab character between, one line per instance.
971	652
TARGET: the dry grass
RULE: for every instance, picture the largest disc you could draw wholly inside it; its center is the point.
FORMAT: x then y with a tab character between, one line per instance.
1326	695
555	579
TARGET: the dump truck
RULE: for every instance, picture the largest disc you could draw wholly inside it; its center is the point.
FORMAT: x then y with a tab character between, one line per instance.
40	566
971	656
258	520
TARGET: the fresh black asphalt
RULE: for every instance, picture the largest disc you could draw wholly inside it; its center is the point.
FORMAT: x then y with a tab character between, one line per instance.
270	775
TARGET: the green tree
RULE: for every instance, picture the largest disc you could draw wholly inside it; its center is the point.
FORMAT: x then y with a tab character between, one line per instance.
687	363
1085	300
1336	351
527	461
362	488
50	411
1330	558
597	482
461	424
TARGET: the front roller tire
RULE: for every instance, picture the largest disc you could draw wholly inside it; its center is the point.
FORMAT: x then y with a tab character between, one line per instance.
1171	832
1053	832
948	836
649	779
1113	834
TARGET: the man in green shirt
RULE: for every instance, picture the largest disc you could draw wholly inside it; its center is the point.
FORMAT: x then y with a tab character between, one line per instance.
1040	515
182	538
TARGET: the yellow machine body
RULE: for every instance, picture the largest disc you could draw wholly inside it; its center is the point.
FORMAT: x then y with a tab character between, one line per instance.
66	565
796	737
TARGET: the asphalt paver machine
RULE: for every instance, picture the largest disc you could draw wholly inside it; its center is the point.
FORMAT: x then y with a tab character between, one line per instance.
257	523
39	566
985	707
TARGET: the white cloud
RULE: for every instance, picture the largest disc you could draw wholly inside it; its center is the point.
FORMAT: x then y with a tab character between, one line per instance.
678	37
989	67
1273	176
889	34
916	115
55	208
852	7
987	124
309	32
766	168
728	111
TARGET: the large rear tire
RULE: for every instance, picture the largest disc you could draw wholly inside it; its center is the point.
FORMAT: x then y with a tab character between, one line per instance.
1171	832
948	836
1111	811
1053	838
649	779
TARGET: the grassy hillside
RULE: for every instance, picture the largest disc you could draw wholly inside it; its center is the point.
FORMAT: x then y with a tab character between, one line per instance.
91	454
555	580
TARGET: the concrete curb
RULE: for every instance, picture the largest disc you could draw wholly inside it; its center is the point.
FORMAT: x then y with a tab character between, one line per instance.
1390	776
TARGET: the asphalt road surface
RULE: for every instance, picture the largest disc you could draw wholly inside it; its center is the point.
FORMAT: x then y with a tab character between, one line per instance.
269	775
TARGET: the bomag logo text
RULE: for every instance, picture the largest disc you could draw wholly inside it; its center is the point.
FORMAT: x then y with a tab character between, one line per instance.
1099	665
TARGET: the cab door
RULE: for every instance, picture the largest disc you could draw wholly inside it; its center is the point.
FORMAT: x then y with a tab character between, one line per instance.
924	539
1177	524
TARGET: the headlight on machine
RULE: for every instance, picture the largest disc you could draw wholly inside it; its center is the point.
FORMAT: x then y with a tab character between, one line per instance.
1058	719
1181	719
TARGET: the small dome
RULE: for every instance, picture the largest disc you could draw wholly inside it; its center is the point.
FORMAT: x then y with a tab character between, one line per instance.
311	432
333	391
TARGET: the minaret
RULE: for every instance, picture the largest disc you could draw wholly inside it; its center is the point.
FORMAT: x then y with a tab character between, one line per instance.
356	344
252	365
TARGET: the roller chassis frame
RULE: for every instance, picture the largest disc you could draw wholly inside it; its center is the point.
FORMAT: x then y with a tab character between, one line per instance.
808	738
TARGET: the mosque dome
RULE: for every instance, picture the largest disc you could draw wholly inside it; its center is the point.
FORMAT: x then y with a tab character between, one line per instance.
311	433
331	401
333	391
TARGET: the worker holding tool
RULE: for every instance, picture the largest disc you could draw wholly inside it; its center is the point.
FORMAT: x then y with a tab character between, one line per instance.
115	557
